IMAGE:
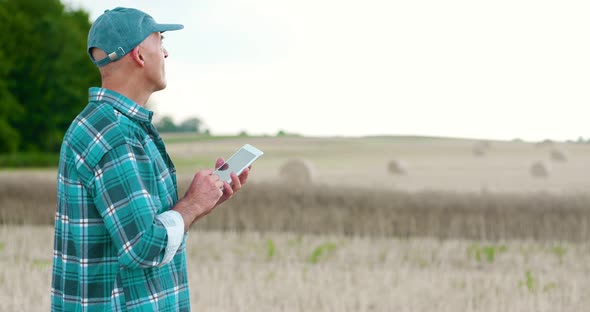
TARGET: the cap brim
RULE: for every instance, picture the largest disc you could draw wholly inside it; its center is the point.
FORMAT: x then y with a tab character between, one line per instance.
168	27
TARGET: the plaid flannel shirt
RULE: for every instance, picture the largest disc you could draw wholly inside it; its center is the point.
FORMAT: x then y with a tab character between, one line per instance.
118	246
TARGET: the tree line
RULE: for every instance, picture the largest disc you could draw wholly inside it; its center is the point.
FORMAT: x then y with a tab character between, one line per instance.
167	124
45	73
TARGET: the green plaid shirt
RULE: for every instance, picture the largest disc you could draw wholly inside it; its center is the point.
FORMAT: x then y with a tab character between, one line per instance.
118	246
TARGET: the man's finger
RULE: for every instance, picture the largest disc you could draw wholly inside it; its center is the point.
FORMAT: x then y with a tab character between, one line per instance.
228	191
244	175
236	183
219	162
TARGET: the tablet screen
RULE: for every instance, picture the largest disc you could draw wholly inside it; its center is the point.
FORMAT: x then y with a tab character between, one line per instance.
237	163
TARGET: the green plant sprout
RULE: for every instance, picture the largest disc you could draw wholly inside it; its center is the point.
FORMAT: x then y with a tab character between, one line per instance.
271	249
41	263
320	251
559	251
530	282
489	252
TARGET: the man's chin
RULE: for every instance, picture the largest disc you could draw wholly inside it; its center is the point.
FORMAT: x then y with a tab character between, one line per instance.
161	86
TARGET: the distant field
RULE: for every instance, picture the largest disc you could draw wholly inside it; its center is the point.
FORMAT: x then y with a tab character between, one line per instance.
437	164
292	272
354	194
432	163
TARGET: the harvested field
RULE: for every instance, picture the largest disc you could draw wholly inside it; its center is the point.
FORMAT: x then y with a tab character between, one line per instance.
457	232
437	164
346	211
231	271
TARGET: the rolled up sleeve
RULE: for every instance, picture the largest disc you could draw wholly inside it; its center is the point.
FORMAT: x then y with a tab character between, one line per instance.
174	224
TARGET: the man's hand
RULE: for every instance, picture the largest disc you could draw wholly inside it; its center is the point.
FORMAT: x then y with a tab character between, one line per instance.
237	182
201	197
206	192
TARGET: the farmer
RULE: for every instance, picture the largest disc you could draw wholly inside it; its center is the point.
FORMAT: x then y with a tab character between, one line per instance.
120	229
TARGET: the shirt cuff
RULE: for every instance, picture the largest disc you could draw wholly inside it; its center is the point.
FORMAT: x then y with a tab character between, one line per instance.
174	224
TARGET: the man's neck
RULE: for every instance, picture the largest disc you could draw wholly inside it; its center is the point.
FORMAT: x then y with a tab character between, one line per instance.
132	91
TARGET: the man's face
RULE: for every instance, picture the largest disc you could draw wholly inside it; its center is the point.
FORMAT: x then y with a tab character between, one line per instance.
154	54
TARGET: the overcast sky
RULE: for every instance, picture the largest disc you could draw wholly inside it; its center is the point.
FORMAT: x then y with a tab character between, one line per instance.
479	69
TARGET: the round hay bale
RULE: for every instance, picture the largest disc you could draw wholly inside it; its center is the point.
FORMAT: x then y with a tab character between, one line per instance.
544	144
539	169
298	171
397	167
558	155
481	148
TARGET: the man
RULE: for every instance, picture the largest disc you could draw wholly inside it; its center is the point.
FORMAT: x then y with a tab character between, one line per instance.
120	229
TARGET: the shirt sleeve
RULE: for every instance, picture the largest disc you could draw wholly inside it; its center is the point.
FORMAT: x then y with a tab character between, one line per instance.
123	189
174	224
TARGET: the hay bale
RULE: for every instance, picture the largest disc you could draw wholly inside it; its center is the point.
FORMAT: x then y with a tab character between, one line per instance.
298	171
397	167
481	148
558	155
539	169
544	144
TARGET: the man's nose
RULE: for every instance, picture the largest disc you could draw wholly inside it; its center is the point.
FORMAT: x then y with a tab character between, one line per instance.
165	53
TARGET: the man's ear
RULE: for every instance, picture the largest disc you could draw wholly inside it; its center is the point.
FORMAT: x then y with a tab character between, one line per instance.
137	57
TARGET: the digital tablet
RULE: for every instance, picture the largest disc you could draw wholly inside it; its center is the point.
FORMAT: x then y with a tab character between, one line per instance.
239	161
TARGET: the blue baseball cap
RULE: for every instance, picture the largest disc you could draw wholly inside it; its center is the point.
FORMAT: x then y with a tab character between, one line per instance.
119	30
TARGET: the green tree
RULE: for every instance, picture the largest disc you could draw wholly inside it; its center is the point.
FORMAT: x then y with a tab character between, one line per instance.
166	124
191	125
9	107
45	73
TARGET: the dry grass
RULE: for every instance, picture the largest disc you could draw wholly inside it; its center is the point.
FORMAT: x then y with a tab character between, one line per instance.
291	272
448	193
326	209
28	196
329	210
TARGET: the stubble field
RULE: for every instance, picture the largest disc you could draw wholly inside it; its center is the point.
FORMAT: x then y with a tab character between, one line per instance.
457	232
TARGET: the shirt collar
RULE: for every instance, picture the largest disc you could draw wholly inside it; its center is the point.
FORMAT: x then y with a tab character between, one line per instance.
121	103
